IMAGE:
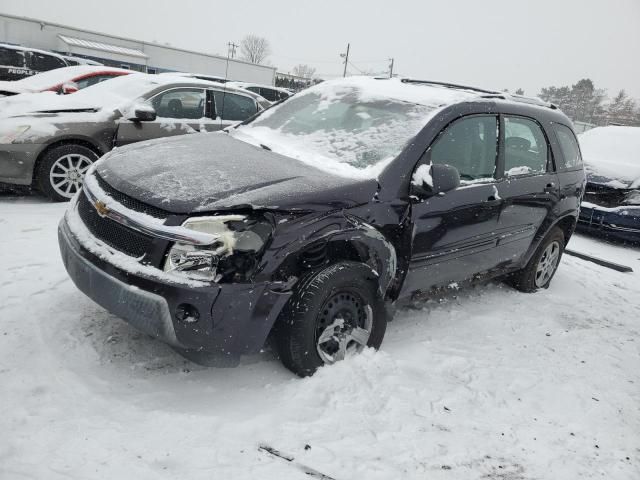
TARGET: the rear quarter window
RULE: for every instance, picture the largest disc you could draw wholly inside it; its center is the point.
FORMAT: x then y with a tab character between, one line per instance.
43	62
571	158
12	58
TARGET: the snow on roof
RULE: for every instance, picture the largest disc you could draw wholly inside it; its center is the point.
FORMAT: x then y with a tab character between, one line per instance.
104	47
29	49
51	78
612	153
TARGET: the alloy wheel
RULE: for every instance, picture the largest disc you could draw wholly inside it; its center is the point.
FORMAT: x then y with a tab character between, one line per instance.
547	264
67	173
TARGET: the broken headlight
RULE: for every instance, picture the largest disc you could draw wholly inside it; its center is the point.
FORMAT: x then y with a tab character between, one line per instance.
233	256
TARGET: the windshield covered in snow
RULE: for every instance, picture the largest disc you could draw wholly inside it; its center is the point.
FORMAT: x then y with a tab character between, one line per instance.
351	127
612	155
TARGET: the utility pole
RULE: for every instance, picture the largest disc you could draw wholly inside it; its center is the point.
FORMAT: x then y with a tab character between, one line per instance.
231	50
391	68
346	60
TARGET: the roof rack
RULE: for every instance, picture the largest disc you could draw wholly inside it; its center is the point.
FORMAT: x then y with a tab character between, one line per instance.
449	85
487	93
521	99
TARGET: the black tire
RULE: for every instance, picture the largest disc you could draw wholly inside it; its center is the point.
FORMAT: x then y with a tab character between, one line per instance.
306	313
525	280
50	165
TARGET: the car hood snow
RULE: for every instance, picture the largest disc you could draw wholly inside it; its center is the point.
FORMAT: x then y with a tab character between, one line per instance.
212	171
612	156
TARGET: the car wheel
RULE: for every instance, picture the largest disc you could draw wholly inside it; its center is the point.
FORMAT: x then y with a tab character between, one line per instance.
542	266
62	169
334	312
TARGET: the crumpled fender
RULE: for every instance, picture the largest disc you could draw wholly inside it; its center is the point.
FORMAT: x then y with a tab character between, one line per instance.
372	247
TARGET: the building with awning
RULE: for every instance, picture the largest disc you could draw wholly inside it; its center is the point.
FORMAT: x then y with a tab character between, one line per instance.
117	51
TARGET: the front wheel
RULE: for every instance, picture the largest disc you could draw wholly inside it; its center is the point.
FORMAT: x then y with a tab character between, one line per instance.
333	313
62	169
543	265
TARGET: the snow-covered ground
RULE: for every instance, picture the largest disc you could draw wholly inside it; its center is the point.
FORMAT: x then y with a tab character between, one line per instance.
486	383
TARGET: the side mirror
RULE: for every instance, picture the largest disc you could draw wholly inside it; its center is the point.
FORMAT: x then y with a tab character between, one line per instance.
143	113
69	87
429	180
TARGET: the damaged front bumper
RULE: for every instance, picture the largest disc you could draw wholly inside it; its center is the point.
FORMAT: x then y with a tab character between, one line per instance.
225	321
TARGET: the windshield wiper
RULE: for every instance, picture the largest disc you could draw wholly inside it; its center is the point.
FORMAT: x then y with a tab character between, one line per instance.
265	147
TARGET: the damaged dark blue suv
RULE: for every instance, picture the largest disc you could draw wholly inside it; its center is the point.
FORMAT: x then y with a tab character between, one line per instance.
312	220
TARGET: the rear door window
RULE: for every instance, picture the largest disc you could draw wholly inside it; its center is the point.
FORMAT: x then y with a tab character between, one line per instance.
269	93
470	145
571	157
12	58
230	106
526	150
43	62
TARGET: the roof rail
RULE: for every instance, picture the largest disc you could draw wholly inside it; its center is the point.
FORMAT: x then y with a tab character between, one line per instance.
449	85
487	93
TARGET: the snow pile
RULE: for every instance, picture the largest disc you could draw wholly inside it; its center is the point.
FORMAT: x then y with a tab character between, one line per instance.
612	153
422	176
351	127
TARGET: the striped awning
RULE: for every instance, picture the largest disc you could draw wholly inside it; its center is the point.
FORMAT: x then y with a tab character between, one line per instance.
103	47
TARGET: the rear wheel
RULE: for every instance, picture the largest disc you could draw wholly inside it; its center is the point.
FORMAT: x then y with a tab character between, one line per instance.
543	265
333	313
62	169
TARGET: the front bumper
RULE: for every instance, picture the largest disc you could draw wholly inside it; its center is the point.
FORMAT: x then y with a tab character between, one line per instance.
235	319
17	162
622	223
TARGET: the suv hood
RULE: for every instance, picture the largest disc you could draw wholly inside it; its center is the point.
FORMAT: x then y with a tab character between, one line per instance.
205	172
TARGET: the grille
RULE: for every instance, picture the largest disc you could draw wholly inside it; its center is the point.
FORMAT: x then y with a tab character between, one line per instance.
130	202
112	233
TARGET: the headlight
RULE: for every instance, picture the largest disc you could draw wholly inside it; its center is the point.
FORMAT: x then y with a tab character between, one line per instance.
13	134
235	253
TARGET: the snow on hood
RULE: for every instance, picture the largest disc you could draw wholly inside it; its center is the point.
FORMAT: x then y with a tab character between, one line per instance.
213	171
612	156
352	127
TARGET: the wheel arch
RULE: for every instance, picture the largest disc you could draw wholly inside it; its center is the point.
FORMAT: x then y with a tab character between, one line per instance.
356	241
82	141
567	223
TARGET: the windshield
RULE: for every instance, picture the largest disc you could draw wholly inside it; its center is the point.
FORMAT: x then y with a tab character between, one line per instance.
340	127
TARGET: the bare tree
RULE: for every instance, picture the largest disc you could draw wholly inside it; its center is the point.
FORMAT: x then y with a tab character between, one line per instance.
304	71
254	49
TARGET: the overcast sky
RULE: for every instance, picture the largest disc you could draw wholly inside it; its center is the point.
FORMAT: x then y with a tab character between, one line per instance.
492	43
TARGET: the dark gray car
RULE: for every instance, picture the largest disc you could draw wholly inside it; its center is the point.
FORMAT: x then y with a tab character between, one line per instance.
49	141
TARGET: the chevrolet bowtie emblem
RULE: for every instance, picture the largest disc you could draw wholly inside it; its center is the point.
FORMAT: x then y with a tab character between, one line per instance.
102	208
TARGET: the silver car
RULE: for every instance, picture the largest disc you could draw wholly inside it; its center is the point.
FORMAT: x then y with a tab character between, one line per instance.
49	141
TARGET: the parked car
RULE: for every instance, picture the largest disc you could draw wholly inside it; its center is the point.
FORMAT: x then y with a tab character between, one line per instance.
199	76
312	220
49	141
611	205
271	93
19	62
73	61
61	80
